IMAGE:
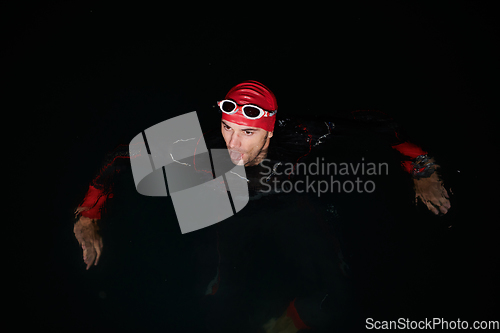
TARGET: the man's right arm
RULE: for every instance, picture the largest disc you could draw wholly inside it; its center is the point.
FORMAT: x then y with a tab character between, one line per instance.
101	186
89	211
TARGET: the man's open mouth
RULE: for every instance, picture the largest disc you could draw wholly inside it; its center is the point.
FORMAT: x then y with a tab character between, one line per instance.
235	155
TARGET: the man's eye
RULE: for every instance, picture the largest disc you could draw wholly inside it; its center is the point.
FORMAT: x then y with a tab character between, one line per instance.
227	127
248	132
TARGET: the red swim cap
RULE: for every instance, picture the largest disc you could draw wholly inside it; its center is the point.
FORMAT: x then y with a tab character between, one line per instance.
252	92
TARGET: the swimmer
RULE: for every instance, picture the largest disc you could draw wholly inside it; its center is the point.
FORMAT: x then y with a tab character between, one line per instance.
249	112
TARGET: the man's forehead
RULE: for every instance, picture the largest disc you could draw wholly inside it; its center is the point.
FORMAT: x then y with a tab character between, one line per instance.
246	127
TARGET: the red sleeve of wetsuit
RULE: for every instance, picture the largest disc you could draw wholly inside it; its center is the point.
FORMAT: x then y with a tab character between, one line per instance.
389	128
100	188
95	199
411	151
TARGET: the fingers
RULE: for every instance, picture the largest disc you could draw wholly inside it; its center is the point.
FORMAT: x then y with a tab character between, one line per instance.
443	209
87	235
431	207
90	260
436	205
89	255
443	201
86	247
433	194
445	205
98	249
92	251
80	209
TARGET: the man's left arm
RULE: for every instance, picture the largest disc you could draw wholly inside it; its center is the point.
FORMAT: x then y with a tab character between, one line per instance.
423	169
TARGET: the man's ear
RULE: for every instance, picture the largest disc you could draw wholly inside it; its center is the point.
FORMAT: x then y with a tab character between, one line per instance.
270	134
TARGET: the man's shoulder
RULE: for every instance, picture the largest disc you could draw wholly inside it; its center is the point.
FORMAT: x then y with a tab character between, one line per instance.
298	136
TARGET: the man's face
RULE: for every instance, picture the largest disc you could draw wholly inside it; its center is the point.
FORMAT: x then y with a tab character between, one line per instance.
245	143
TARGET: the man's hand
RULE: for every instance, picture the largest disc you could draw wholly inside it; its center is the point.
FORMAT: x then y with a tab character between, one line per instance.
87	233
283	324
432	193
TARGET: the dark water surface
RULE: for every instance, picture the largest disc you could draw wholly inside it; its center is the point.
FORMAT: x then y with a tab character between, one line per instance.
84	89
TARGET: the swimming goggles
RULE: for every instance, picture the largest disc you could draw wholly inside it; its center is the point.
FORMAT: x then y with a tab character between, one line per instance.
250	111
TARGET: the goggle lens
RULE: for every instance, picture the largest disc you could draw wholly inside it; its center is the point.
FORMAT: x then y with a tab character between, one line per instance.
227	106
251	111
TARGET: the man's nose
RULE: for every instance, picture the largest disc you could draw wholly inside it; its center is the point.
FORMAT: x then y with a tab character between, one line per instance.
234	140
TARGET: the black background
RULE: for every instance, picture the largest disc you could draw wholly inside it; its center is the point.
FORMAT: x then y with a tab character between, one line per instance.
82	77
